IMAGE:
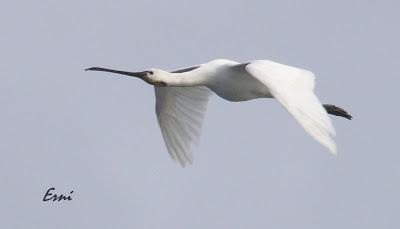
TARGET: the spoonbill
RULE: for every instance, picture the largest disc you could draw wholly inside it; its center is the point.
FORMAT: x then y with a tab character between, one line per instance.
182	97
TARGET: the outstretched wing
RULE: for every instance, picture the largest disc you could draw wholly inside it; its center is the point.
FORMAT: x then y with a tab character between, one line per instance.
294	89
180	112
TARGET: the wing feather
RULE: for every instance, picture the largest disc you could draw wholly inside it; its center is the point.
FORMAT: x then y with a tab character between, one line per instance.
180	113
294	89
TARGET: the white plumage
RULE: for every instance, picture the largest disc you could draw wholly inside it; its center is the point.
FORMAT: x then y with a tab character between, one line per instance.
182	97
180	112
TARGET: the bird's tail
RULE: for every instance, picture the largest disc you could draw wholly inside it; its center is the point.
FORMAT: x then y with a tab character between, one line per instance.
334	110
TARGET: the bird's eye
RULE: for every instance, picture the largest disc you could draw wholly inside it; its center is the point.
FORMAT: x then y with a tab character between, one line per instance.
150	72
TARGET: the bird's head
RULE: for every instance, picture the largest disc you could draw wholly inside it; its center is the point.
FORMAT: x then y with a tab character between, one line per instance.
152	76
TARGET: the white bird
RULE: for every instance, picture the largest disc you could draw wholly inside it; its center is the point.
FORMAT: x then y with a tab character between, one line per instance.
182	97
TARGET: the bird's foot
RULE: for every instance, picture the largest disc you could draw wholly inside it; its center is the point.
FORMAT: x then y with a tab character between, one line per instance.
334	110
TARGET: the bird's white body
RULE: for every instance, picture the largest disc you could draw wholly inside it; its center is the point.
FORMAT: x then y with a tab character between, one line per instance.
232	83
226	78
182	97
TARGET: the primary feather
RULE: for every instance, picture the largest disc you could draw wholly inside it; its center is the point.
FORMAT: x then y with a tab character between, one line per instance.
180	113
294	89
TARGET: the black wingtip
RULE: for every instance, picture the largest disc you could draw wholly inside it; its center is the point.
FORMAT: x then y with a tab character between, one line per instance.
334	110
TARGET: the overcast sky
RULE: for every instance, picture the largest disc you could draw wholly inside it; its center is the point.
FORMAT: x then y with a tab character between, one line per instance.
97	134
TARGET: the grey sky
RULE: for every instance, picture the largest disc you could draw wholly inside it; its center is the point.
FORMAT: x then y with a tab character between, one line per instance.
97	134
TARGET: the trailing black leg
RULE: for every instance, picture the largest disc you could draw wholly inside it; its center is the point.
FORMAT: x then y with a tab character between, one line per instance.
334	110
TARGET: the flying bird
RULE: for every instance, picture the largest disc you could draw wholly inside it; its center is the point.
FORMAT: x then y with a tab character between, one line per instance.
182	97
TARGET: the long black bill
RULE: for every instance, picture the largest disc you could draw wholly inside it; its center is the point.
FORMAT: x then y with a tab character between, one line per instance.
141	75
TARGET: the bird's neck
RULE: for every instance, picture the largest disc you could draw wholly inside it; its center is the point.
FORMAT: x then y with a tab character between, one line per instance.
185	79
